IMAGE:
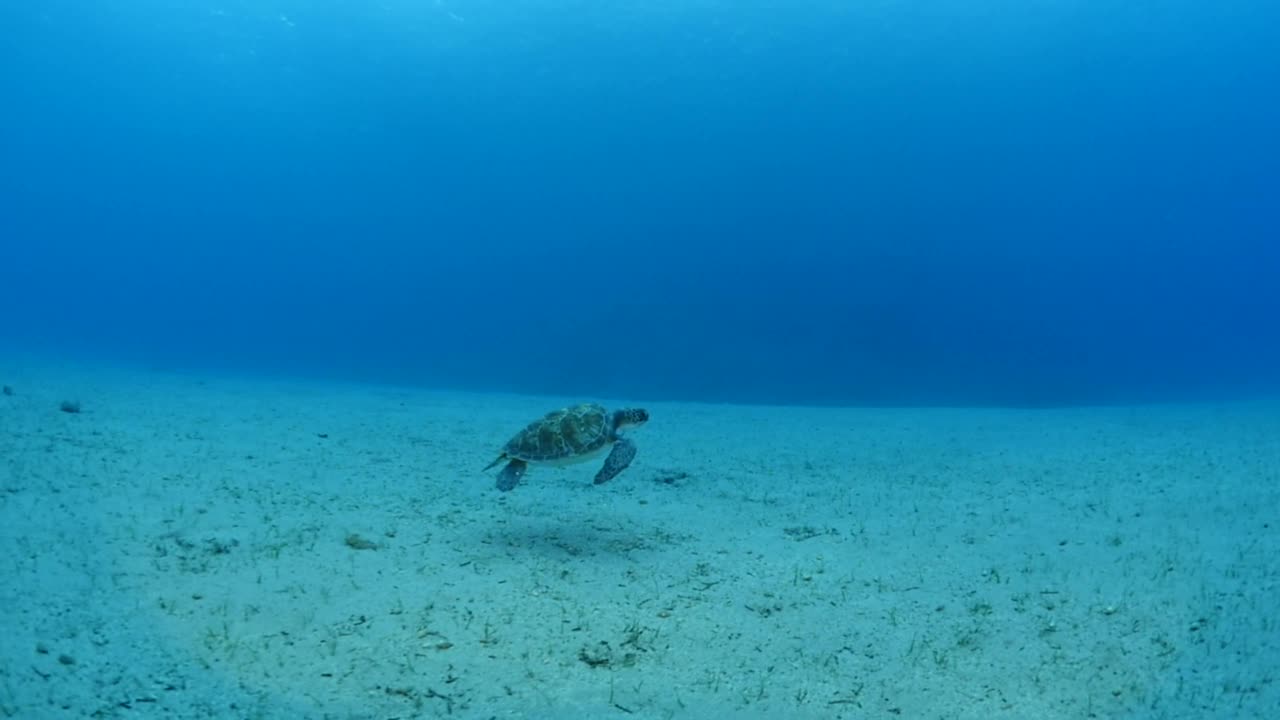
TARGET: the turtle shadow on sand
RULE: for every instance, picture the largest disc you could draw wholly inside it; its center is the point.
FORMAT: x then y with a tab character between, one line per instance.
548	538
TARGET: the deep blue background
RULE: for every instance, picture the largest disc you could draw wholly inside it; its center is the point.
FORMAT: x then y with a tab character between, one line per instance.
942	202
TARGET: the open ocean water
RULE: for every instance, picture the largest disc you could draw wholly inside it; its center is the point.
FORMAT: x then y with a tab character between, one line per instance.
955	324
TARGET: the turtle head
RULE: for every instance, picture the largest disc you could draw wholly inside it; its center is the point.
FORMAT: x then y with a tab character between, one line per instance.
630	417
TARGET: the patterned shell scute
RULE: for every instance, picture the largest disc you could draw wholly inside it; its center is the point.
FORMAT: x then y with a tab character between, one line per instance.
560	434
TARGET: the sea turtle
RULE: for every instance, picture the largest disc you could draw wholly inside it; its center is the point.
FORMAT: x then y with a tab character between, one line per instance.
571	435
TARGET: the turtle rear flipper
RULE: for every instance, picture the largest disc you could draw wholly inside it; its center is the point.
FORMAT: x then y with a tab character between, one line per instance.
624	451
511	474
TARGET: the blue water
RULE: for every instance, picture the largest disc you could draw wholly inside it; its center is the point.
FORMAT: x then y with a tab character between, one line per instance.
943	202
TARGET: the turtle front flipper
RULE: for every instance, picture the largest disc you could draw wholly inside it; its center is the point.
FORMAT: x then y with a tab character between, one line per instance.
624	451
511	474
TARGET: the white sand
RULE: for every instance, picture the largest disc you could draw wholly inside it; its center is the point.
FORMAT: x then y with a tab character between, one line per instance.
178	550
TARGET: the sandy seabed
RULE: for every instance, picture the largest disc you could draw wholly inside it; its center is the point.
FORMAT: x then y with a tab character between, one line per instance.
220	547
